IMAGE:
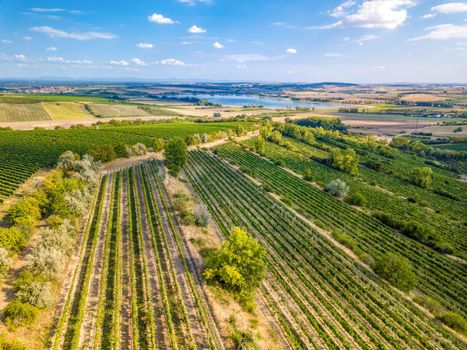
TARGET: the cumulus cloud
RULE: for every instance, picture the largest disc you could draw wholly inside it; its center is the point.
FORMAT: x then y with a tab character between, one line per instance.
138	61
50	49
383	14
122	63
160	19
171	62
291	51
20	57
194	29
444	32
218	45
58	33
451	7
145	46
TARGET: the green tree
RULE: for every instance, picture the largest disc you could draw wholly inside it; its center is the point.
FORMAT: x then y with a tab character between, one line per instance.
397	270
356	199
422	176
308	175
239	265
104	153
337	188
346	161
176	155
260	145
159	144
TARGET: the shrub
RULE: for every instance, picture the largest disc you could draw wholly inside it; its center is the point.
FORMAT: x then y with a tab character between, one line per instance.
337	188
4	262
244	340
176	155
139	149
419	232
344	239
159	144
453	320
356	199
54	221
239	265
103	153
10	344
430	304
19	314
422	177
34	290
12	238
444	247
25	207
397	270
346	161
45	261
201	216
308	175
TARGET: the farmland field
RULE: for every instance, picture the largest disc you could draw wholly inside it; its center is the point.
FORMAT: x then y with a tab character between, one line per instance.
66	111
10	112
116	110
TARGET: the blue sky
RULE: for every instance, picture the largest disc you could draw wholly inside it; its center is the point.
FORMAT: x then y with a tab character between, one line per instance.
256	40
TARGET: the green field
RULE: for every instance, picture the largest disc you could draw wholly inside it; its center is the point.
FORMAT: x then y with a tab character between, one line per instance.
117	110
21	112
66	111
453	146
36	98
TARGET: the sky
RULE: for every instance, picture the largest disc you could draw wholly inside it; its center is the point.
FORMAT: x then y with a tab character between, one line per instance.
360	41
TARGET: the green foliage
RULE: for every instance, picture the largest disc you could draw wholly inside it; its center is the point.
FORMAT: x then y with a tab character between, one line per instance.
54	221
104	153
26	207
19	314
308	175
430	304
244	340
356	199
344	239
346	160
4	261
238	266
159	144
34	290
325	123
176	155
419	232
201	216
10	344
260	145
337	188
454	320
397	270
12	238
422	176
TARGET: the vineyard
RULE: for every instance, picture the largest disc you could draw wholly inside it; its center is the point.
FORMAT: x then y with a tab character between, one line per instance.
24	152
321	297
440	277
135	285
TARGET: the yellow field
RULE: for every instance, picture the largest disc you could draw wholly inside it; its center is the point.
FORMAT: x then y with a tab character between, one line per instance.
11	112
66	111
114	110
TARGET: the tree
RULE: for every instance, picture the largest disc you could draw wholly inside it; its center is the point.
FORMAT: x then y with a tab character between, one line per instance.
103	153
18	314
176	155
139	149
34	290
159	144
239	265
260	145
346	161
397	270
4	261
422	176
308	175
453	320
356	199
201	216
337	188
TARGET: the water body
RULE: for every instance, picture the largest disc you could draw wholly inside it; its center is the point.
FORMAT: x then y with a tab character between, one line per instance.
252	100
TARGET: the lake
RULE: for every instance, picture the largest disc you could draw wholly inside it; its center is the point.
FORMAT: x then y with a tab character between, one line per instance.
252	100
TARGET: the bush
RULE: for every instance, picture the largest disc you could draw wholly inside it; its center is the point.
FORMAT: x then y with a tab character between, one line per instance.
4	262
10	344
159	144
19	314
25	207
34	290
45	261
453	320
337	188
444	247
103	153
239	265
356	199
422	177
397	270
419	232
54	221
308	175
139	149
201	216
430	304
344	239
12	238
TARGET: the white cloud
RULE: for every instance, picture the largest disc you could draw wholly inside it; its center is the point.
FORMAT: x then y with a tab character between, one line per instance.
361	39
244	58
20	57
145	46
194	29
50	49
58	33
160	19
54	10
171	62
218	45
194	2
384	14
291	51
187	43
451	7
138	61
444	32
5	41
122	63
58	59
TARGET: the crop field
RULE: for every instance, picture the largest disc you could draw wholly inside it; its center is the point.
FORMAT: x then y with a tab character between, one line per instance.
116	110
10	112
440	277
24	152
134	287
321	297
66	111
